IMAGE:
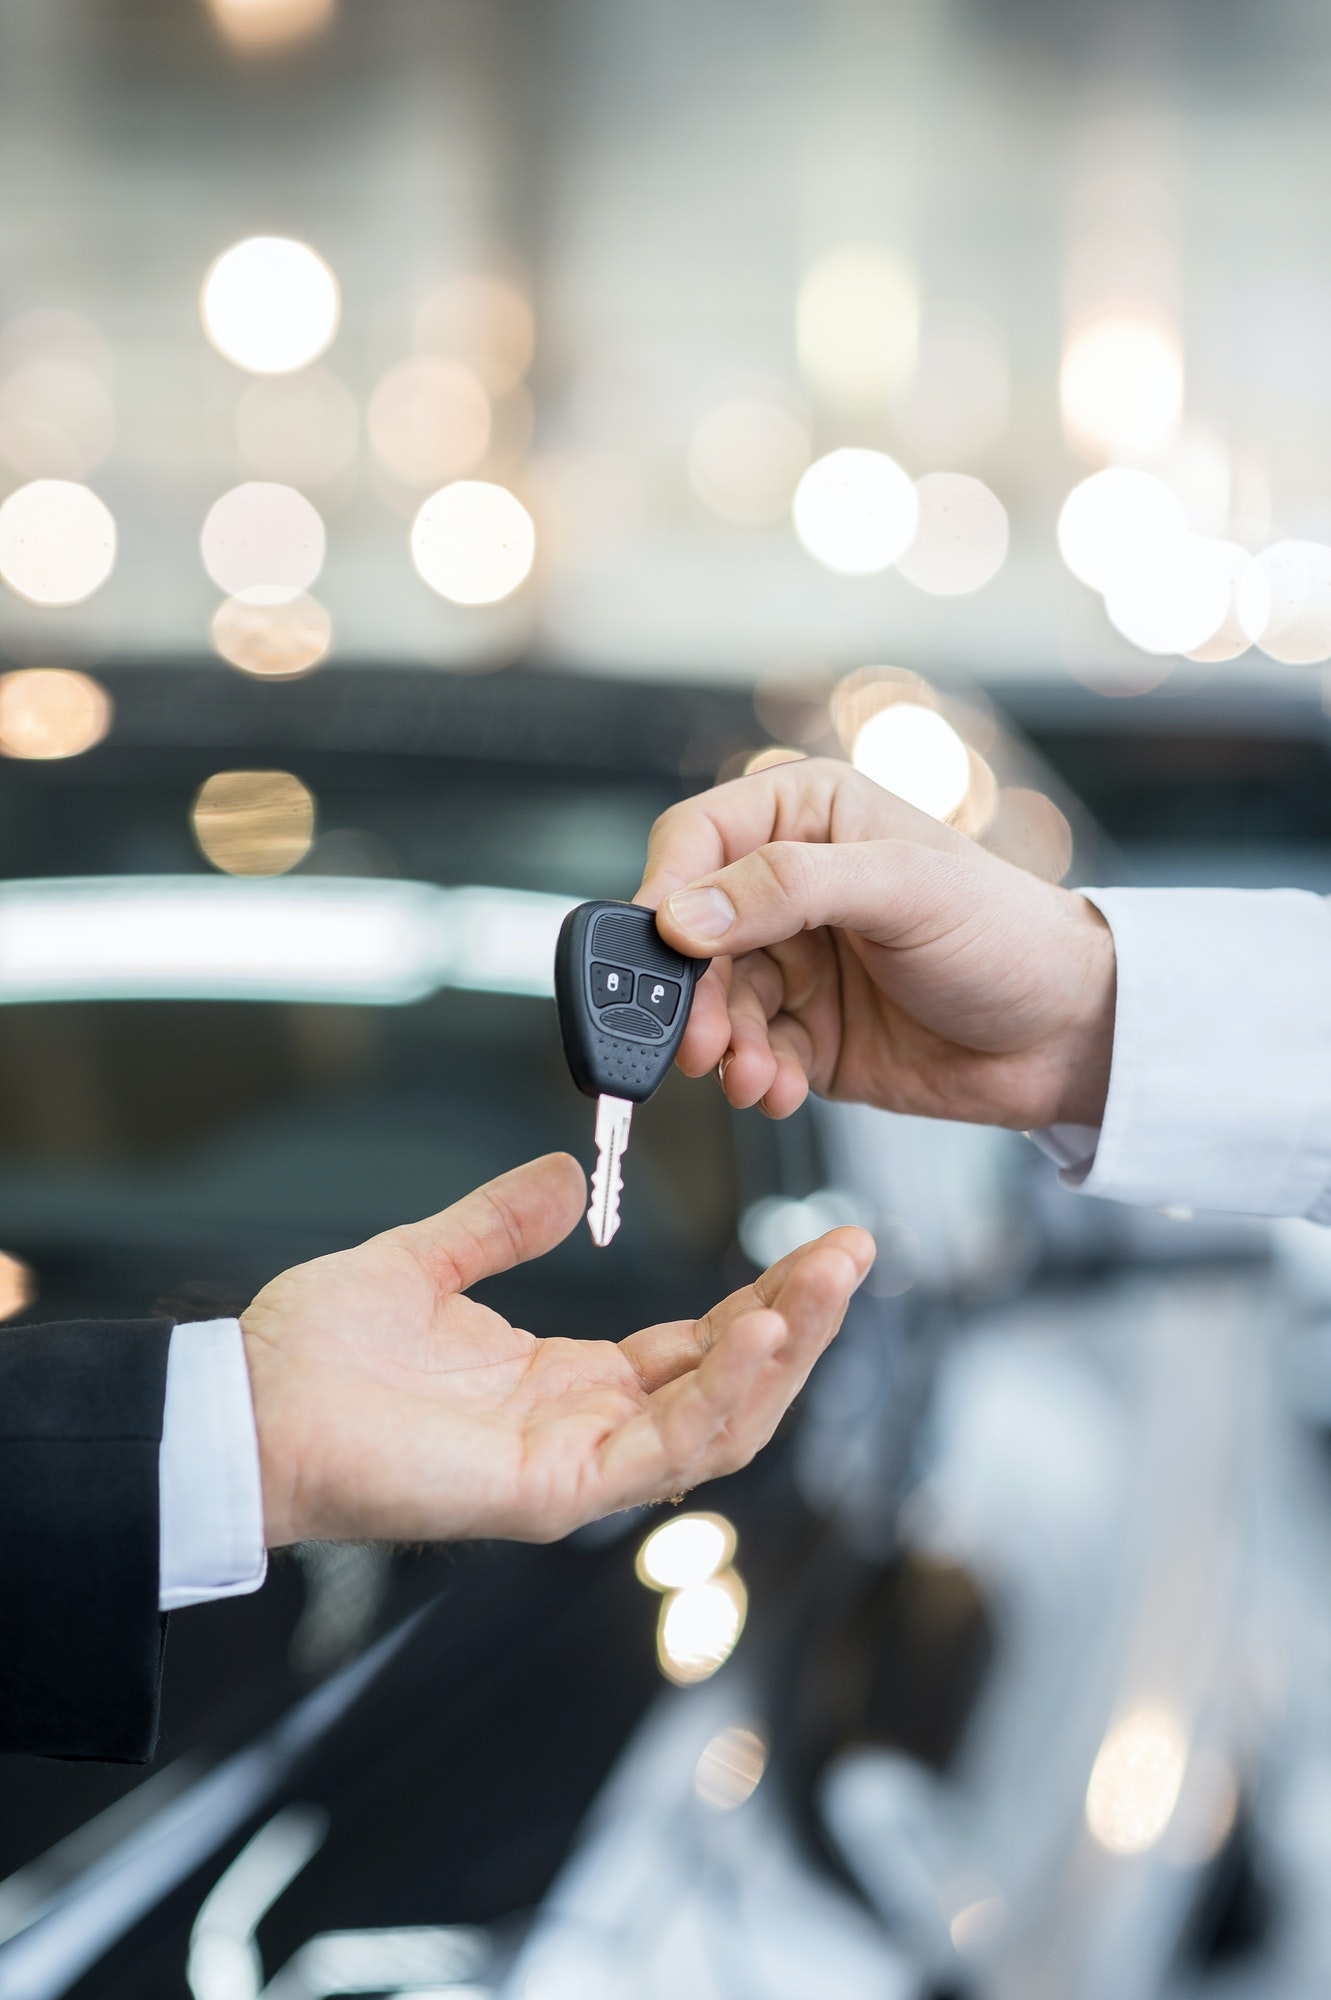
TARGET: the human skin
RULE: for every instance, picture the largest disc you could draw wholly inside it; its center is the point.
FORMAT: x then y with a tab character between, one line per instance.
390	1405
866	951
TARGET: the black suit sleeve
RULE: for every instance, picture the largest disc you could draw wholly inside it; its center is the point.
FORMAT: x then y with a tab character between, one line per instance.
80	1634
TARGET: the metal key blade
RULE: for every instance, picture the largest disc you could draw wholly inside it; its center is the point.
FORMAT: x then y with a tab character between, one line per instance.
614	1115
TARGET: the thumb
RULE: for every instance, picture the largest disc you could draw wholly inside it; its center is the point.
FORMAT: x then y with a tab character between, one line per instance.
509	1221
885	889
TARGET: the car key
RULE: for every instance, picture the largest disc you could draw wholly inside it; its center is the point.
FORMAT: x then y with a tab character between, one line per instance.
623	997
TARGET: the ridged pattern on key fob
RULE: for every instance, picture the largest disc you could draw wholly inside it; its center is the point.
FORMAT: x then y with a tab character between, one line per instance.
623	998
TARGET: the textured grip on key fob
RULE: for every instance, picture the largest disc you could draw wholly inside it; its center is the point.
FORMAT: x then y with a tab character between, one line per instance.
623	996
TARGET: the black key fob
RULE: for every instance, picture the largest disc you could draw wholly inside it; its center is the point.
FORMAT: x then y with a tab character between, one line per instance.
623	996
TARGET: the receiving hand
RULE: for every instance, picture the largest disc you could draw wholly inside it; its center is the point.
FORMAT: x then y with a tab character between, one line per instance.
864	950
390	1405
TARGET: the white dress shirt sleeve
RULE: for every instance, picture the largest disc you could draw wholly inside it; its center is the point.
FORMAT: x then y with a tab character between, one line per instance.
1220	1088
211	1497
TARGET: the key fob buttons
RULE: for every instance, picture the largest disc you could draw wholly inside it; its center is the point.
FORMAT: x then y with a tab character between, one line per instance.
659	997
612	985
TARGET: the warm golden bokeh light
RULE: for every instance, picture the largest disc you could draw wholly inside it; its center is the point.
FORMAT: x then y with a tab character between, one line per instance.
57	542
916	753
856	511
745	460
253	822
688	1548
1121	386
473	542
482	320
699	1627
18	1285
263	542
48	712
1135	1784
962	538
270	305
259	25
274	642
299	430
857	322
860	694
429	421
730	1768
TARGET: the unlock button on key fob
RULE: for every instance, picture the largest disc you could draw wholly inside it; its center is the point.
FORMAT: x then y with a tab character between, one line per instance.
658	996
612	985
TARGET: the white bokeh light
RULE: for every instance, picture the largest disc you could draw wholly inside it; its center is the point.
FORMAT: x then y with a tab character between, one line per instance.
1171	597
1284	602
1136	1781
689	1548
57	542
962	538
856	511
270	304
699	1627
1112	515
1248	609
857	325
1121	386
263	543
473	542
916	753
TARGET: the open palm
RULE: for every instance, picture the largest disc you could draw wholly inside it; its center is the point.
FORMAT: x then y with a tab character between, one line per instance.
389	1404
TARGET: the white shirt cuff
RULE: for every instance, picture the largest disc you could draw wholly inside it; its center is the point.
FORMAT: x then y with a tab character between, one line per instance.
1220	1088
211	1496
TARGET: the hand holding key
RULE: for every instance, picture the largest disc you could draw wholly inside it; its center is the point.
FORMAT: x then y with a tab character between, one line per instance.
389	1404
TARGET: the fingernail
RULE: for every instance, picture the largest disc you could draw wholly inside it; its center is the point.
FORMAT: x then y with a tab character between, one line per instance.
704	913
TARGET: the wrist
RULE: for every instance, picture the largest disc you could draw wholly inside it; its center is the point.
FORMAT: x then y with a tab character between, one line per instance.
1085	1044
276	1455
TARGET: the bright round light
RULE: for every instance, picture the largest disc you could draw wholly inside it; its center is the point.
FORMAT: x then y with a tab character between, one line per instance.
688	1548
57	542
270	305
745	459
916	753
429	420
1136	1781
299	429
253	822
1121	386
857	322
1249	604
1111	516
263	543
699	1627
473	542
48	712
483	321
962	538
856	511
274	642
258	25
57	419
1296	577
1171	597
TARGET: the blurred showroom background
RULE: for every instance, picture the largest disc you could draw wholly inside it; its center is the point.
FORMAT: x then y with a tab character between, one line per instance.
434	436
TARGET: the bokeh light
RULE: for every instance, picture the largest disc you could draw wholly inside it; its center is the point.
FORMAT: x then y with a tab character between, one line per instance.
688	1548
1248	597
857	323
770	756
57	419
270	305
48	712
699	1627
18	1285
1284	602
856	511
263	542
861	693
730	1768
57	542
253	822
473	542
916	753
745	460
1111	516
259	25
482	320
429	421
274	642
962	538
1136	1780
1121	386
1171	596
300	430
